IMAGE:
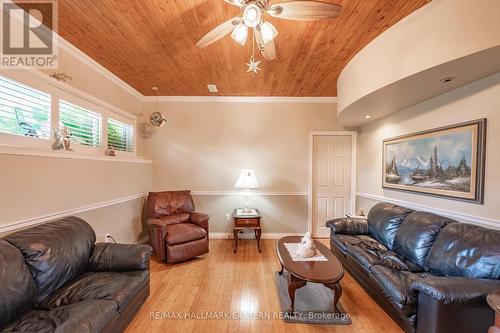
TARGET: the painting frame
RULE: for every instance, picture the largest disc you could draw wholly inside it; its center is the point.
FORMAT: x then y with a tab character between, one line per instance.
477	161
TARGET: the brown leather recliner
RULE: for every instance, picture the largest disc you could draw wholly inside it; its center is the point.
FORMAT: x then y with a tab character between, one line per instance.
176	231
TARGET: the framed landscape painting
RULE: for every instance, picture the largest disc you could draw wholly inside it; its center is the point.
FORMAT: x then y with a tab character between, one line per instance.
447	161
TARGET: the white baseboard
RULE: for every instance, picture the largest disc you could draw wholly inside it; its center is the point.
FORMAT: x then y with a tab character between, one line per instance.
265	235
57	215
485	222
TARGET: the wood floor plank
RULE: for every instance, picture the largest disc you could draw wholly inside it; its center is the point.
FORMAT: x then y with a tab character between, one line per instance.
239	285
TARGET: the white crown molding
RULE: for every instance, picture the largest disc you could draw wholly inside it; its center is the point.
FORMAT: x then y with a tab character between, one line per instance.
485	222
53	216
239	193
265	235
240	99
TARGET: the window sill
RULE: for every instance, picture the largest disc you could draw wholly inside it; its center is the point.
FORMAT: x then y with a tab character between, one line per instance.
28	151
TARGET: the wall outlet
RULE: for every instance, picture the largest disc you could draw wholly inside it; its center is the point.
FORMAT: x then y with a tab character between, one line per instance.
228	218
108	238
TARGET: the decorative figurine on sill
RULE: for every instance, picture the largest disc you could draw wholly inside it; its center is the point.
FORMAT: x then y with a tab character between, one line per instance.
110	151
306	248
63	139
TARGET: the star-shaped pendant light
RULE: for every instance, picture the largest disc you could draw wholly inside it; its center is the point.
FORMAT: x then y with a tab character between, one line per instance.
253	66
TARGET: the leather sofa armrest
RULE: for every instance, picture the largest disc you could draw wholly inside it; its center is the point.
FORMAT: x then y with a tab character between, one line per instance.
456	290
119	257
200	219
348	226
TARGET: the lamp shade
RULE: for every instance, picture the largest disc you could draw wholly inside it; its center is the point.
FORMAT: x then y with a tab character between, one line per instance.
247	180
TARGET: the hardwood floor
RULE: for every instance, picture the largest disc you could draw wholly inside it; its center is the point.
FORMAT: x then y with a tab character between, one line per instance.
239	283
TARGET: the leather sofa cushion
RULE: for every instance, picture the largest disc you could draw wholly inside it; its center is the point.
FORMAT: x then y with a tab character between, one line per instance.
170	203
384	221
365	257
342	241
55	252
112	286
185	251
395	285
415	236
17	287
113	257
393	261
83	317
173	219
467	250
184	232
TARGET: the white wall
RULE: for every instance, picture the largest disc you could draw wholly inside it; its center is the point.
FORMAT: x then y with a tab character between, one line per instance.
478	100
204	146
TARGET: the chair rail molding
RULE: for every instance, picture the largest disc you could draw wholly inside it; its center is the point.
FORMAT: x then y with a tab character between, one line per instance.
482	221
239	193
57	215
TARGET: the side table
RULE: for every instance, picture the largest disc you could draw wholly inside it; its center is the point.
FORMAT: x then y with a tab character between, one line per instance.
242	222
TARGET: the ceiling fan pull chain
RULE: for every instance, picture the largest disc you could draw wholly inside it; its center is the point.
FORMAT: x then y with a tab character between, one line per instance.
253	51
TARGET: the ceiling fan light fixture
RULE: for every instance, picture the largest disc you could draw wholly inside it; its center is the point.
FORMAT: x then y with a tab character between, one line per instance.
268	32
252	15
240	34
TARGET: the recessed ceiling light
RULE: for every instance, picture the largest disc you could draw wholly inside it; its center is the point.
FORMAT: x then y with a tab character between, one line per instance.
212	88
368	116
447	79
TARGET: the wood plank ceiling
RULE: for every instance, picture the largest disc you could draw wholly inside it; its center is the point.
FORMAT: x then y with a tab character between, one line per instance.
152	43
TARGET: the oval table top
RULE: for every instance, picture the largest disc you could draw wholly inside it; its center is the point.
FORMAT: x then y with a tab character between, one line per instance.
330	271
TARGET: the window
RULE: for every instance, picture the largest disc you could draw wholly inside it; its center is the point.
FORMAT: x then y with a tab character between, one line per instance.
33	107
23	110
84	125
120	135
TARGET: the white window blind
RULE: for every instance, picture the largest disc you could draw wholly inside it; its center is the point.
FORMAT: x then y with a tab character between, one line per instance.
24	110
84	125
120	135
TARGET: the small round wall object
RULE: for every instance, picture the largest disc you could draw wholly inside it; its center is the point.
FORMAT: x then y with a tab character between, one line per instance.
157	119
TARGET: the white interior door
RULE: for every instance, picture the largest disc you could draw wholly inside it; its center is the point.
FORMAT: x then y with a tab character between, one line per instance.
331	180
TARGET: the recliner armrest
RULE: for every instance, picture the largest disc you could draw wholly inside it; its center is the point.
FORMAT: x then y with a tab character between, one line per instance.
200	219
456	290
348	226
112	257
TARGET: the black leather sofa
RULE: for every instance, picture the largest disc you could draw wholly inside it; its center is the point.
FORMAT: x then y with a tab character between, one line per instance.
53	278
429	273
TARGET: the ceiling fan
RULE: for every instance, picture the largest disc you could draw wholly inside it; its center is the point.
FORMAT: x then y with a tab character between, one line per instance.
264	32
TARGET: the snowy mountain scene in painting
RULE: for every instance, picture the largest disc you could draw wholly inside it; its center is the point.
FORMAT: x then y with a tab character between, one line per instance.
434	162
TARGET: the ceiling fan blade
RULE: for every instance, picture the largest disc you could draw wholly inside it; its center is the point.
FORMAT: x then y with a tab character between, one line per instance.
268	51
235	2
304	10
219	32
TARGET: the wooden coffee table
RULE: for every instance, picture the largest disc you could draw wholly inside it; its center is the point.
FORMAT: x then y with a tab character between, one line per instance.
329	273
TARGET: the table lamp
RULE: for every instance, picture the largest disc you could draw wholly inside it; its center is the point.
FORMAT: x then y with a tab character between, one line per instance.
247	181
